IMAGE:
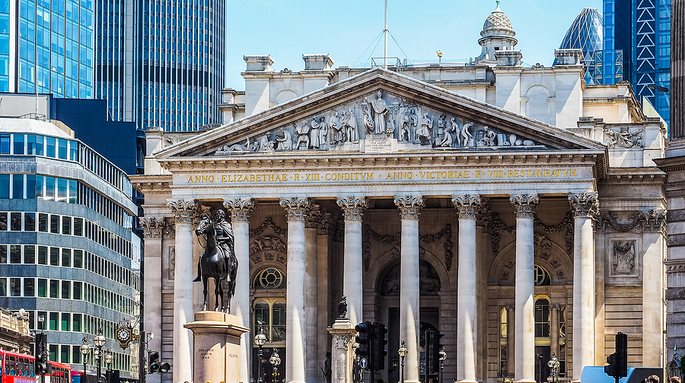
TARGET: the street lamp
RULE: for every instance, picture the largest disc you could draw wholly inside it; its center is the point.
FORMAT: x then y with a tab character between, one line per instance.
403	354
99	341
85	350
442	358
275	361
260	340
108	359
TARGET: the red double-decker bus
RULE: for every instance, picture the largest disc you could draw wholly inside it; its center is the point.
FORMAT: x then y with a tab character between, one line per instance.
21	368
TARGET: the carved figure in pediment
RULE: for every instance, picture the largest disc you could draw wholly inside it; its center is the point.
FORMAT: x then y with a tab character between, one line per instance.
349	124
447	138
442	125
424	133
380	110
466	135
285	143
323	133
368	120
246	147
336	129
409	123
265	144
314	134
454	128
624	257
489	137
302	132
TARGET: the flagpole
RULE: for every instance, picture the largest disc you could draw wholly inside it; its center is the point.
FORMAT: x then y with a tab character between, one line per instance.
385	37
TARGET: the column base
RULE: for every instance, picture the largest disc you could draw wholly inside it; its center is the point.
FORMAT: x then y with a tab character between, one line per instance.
525	381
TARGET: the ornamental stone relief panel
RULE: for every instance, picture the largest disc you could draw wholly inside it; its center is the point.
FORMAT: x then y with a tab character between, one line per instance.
378	122
268	243
623	260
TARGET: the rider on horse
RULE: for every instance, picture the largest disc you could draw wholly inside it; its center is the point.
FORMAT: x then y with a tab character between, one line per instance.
224	239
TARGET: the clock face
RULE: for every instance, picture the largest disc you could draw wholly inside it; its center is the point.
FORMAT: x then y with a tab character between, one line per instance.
123	334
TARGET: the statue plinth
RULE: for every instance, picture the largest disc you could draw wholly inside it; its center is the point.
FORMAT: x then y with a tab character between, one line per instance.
343	333
216	341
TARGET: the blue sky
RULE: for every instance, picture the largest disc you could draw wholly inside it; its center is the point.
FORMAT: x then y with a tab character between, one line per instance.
348	30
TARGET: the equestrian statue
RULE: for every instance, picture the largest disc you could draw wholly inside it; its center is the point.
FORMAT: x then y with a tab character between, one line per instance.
218	261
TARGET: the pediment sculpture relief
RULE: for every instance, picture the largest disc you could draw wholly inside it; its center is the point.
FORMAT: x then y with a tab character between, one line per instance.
381	118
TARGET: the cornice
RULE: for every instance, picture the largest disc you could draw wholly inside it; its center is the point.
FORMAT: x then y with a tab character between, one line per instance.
146	183
649	175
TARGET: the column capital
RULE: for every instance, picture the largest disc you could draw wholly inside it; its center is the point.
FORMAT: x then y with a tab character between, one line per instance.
524	204
153	227
584	204
409	205
313	217
467	205
295	207
183	210
353	207
240	208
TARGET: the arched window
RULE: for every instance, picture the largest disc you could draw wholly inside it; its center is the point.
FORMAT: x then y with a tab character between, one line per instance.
541	276
542	315
269	309
269	278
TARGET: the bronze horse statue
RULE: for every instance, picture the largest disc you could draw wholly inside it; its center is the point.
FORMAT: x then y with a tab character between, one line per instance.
217	262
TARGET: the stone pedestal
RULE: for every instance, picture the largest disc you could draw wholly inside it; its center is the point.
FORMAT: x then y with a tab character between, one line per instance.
216	341
342	333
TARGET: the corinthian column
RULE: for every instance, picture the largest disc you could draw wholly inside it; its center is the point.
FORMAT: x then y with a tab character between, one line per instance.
296	210
311	293
353	209
183	289
467	205
410	207
524	205
584	206
240	209
152	310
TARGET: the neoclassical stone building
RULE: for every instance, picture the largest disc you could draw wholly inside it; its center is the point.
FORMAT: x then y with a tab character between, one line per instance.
515	210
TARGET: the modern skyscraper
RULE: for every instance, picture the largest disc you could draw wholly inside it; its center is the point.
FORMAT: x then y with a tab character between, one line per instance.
48	40
637	48
161	63
586	34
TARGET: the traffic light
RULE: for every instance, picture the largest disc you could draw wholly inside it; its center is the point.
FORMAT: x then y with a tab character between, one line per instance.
152	362
41	353
363	339
618	361
379	346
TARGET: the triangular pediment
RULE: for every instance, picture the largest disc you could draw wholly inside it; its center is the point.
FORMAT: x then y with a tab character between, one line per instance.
382	112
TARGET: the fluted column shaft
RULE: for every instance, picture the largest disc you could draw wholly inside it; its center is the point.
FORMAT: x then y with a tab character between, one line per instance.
183	290
311	294
554	329
525	320
296	209
584	206
153	228
466	287
511	339
353	208
410	207
240	210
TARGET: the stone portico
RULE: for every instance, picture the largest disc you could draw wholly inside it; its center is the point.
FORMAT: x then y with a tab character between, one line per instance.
511	237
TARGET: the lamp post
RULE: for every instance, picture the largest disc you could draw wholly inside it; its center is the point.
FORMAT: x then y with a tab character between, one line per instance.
403	354
275	361
442	358
99	341
108	362
260	340
85	350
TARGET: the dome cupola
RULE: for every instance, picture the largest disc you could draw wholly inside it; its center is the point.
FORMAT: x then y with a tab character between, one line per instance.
497	35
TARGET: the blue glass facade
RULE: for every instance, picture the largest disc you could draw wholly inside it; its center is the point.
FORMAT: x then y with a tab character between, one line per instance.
637	48
160	63
586	34
48	45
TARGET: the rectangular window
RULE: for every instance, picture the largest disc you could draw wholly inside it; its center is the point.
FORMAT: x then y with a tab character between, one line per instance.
78	227
66	225
78	290
42	255
76	321
3	254
29	221
73	191
4	186
29	254
17	186
78	258
61	148
49	188
15	253
29	287
65	350
54	256
34	144
52	353
50	146
66	257
3	287
54	288
54	224
43	222
18	143
62	189
76	350
30	186
5	143
66	289
52	323
40	183
15	219
15	287
3	221
73	150
43	288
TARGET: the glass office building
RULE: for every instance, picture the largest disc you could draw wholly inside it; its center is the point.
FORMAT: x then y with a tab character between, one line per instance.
68	255
160	63
586	34
47	47
637	48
